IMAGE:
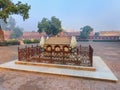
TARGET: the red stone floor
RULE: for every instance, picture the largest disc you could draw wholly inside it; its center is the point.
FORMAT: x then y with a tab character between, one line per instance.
16	80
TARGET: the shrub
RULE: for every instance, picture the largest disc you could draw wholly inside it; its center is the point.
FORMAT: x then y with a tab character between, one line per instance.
30	41
7	43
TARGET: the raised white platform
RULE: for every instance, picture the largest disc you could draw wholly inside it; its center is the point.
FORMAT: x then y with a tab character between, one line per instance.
57	65
102	71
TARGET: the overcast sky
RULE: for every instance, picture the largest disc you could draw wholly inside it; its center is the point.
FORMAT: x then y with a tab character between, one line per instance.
74	14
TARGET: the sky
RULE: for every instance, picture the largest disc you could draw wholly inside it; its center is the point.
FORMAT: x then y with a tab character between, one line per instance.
101	15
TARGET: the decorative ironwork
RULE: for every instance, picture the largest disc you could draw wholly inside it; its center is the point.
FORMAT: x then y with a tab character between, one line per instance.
81	56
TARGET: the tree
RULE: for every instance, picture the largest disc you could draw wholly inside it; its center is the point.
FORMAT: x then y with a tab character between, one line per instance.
96	34
7	8
10	25
51	27
84	34
17	32
44	24
3	24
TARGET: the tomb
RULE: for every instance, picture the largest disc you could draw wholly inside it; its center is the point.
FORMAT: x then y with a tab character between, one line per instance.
61	56
58	50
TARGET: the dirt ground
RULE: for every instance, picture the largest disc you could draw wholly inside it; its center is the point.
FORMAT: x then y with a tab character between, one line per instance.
16	80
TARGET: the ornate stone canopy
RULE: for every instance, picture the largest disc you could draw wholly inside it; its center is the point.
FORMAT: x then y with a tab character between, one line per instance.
58	41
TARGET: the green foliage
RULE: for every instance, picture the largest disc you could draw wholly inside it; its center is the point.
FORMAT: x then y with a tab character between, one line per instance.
17	32
0	27
30	41
51	27
97	33
84	34
7	43
8	8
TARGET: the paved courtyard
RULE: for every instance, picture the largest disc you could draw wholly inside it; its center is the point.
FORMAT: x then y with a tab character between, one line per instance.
16	80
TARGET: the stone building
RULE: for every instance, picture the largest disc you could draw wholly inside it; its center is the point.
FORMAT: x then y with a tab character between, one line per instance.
5	35
109	33
32	35
1	35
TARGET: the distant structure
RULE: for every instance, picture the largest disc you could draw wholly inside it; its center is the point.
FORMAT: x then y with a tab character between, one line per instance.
32	35
63	34
4	35
109	33
91	33
1	36
70	34
73	33
26	35
103	35
7	34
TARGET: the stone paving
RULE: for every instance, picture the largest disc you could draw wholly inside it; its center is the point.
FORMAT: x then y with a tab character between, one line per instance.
14	80
102	71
